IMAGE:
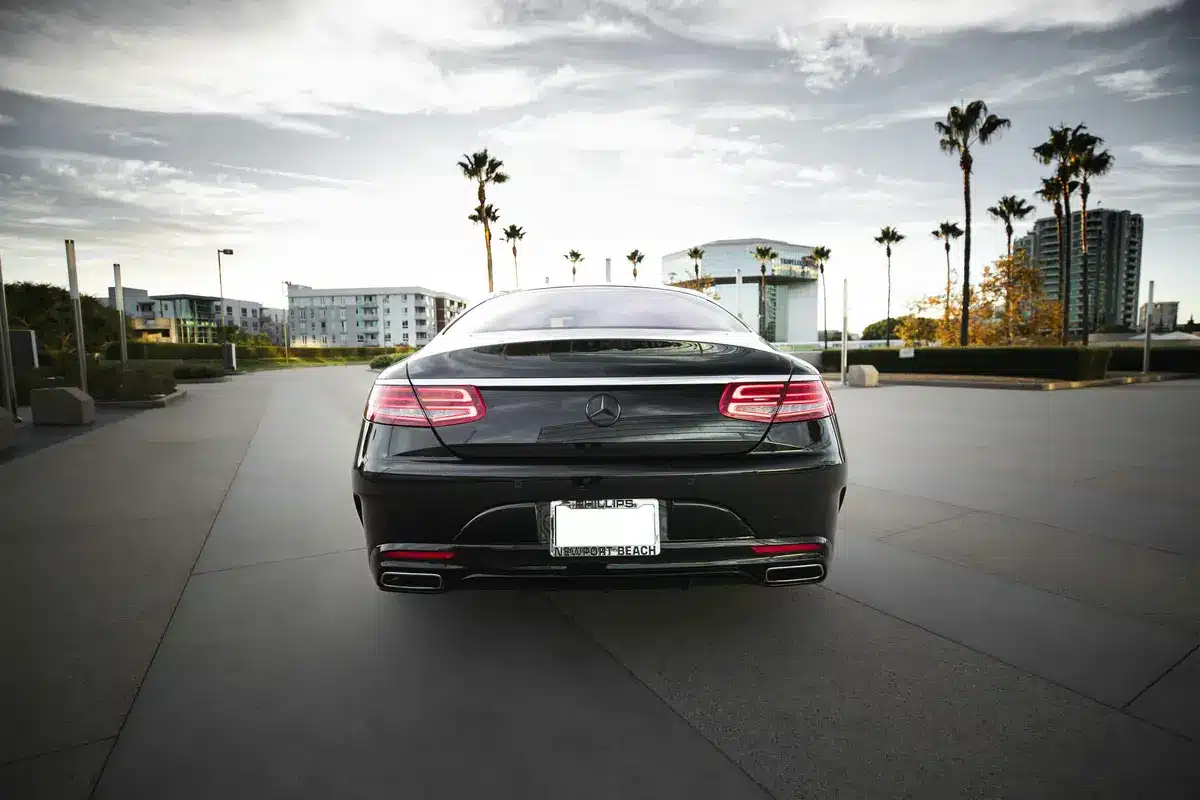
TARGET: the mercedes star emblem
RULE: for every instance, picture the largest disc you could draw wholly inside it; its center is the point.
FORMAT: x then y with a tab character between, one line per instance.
603	410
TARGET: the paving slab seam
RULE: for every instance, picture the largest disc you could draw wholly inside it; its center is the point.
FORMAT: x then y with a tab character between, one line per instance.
1112	539
625	668
1156	681
277	561
1023	670
924	525
56	751
175	607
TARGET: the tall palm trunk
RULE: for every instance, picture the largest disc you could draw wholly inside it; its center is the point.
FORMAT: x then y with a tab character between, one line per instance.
888	334
825	302
1064	259
1083	263
487	236
947	314
762	302
966	291
516	272
1008	291
697	265
1061	280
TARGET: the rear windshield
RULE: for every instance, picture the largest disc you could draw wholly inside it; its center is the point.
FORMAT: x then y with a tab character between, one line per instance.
596	307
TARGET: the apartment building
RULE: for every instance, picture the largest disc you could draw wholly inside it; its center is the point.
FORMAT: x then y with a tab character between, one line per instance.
382	316
1164	316
188	318
1114	265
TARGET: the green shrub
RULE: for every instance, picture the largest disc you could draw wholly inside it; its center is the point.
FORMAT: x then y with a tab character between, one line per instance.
212	352
385	360
198	371
1162	359
1065	363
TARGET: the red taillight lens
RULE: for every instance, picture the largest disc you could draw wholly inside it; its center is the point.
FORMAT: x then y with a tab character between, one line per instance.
417	555
777	402
783	549
427	406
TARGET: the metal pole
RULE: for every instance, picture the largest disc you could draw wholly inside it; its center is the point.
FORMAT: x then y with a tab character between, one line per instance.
738	292
73	280
221	308
120	298
7	373
845	327
1149	315
287	310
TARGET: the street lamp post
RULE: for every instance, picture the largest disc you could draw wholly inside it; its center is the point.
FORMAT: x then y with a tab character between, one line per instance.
287	311
221	283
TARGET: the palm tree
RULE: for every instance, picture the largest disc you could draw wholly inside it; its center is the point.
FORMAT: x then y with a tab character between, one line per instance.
514	234
1063	149
888	237
487	216
1051	192
764	255
962	129
696	255
947	231
819	257
483	169
1092	163
635	258
1010	209
574	257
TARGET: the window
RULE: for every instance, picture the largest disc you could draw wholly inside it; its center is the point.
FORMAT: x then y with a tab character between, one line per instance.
597	307
324	340
254	312
228	309
360	338
243	311
387	337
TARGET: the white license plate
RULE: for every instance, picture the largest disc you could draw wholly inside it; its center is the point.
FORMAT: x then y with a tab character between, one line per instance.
604	528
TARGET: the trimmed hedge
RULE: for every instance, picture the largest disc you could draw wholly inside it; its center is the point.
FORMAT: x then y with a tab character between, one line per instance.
1066	363
1162	359
105	382
212	352
197	371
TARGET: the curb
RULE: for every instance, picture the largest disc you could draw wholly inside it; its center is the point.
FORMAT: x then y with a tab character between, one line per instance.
1043	386
222	379
156	402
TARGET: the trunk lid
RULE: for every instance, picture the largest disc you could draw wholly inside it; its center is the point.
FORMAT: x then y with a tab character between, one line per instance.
599	399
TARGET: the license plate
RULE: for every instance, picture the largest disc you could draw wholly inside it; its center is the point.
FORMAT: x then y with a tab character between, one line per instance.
604	528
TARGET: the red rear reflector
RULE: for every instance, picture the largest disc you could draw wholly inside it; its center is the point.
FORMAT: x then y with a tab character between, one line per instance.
782	549
418	555
427	406
797	401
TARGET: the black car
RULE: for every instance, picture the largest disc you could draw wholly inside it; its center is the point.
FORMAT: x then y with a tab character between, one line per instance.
598	436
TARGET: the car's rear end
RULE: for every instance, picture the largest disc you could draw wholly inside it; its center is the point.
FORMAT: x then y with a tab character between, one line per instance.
536	445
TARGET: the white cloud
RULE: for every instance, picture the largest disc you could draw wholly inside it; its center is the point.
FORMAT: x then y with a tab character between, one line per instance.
1139	84
7	120
1166	156
828	61
760	113
127	139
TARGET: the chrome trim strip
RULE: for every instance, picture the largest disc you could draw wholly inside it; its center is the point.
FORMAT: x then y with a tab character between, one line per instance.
674	380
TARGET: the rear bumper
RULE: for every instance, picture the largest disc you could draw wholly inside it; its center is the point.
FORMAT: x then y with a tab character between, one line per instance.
492	517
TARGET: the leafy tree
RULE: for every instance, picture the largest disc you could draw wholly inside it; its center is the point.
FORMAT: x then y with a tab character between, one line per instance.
1010	209
764	255
925	328
574	257
1052	192
47	310
888	237
1035	319
963	129
514	234
635	258
484	170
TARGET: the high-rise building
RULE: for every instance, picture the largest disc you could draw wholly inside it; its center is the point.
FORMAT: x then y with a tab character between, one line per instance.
382	316
791	283
1114	265
1164	316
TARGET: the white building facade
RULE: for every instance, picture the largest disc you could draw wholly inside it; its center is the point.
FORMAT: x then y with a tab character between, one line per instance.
381	316
791	290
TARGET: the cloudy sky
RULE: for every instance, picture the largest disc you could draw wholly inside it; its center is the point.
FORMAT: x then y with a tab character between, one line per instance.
318	138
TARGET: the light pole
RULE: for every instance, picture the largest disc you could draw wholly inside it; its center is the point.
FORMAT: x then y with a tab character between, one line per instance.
287	311
221	283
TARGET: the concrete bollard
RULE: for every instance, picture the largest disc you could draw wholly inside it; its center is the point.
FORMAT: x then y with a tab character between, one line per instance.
8	429
863	375
63	405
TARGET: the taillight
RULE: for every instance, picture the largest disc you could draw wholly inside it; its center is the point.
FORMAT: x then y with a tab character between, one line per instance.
427	406
417	555
784	549
777	402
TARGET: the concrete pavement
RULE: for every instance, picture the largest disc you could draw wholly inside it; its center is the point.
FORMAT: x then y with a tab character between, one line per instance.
1013	612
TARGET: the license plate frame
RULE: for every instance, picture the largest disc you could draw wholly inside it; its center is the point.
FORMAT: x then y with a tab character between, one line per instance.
622	528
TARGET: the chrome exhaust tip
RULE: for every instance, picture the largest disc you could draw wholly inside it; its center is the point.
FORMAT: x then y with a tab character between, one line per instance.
797	573
412	581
